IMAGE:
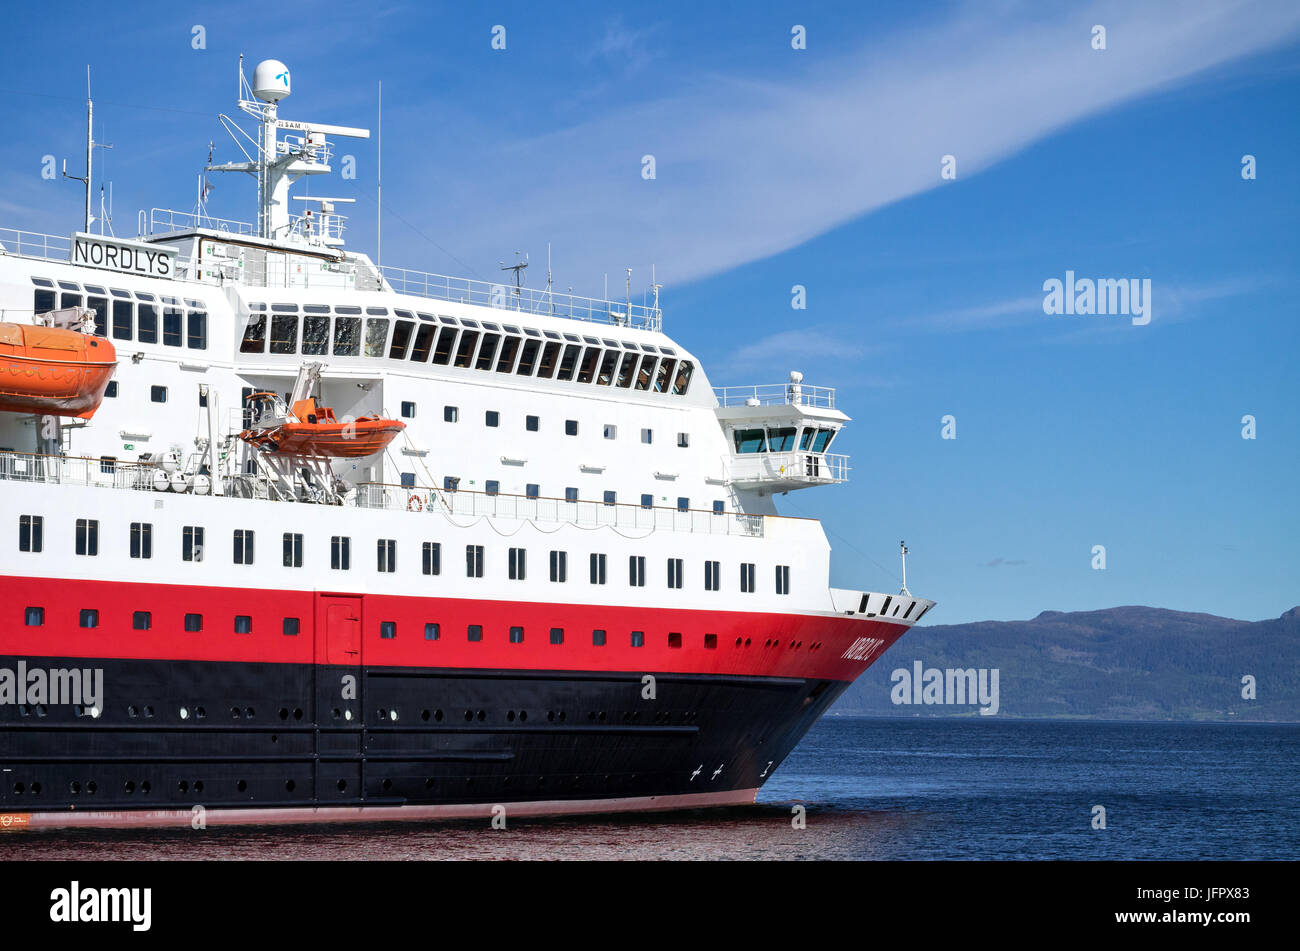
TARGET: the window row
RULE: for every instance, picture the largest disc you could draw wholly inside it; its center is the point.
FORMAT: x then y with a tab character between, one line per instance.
532	424
318	329
143	621
31	538
142	317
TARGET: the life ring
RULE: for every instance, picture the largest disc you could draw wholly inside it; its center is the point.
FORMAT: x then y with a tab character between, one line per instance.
414	504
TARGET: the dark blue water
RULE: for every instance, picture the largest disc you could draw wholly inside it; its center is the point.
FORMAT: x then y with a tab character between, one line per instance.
978	788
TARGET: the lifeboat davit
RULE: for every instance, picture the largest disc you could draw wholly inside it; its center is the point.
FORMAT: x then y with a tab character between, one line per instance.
313	430
52	371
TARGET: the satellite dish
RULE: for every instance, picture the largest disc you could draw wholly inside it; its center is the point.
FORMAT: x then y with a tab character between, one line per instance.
271	80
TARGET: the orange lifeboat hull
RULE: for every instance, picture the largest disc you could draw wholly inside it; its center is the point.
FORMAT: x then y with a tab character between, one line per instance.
361	437
53	372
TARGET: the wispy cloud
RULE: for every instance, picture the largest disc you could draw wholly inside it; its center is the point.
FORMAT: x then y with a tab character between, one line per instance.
750	167
1010	562
787	349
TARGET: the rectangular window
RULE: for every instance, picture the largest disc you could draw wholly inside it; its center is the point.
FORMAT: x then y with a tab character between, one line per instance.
158	394
408	409
87	536
89	617
402	331
376	334
475	632
146	327
559	566
647	436
747	577
674	640
431	558
347	336
570	427
122	320
291	626
611	431
647	500
782	579
386	555
636	571
192	543
557	635
34	617
450	483
315	334
492	418
243	624
597	568
597	638
611	497
141	620
516	635
532	490
432	631
712	576
31	532
141	540
388	630
711	642
518	564
718	507
492	487
193	623
638	638
243	546
674	572
683	440
683	503
196	330
292	550
531	423
451	414
340	552
172	319
571	494
442	350
108	464
473	561
408	480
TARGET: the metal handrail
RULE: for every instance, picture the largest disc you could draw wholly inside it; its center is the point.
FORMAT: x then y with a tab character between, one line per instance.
776	394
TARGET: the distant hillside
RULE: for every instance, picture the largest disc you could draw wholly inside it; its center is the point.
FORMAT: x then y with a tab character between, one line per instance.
1131	663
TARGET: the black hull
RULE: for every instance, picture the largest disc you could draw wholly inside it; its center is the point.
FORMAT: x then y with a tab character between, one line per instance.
268	736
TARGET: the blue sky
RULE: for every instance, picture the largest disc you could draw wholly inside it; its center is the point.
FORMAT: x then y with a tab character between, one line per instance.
820	167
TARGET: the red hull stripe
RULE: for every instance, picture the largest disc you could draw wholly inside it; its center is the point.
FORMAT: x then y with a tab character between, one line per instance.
828	647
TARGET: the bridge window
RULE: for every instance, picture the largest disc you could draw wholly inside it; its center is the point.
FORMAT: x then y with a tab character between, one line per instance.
528	357
487	352
781	440
442	352
172	317
606	375
682	383
402	331
423	343
146	325
347	336
550	356
644	374
750	440
465	352
284	333
196	329
376	335
625	374
664	375
123	319
823	440
569	362
588	368
509	347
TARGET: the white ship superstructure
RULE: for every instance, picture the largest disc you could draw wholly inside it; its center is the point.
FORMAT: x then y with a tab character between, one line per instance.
570	506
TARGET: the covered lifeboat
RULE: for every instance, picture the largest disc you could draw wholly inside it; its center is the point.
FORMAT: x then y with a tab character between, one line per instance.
311	430
53	371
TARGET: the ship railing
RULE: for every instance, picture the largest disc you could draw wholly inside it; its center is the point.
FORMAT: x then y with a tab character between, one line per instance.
166	220
583	513
77	470
809	468
776	394
524	299
33	244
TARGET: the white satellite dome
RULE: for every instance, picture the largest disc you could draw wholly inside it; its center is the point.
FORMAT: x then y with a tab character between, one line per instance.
271	80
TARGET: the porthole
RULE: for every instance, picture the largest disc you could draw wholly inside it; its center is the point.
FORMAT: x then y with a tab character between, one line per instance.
284	713
198	786
424	715
185	713
289	785
146	787
387	784
183	786
74	787
92	787
343	785
241	785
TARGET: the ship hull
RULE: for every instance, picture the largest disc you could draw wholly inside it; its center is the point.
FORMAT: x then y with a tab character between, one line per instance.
273	743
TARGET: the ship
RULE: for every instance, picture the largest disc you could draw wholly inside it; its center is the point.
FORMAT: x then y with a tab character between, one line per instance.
300	537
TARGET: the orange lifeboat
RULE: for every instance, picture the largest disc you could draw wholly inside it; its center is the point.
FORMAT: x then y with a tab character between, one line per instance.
52	371
312	430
